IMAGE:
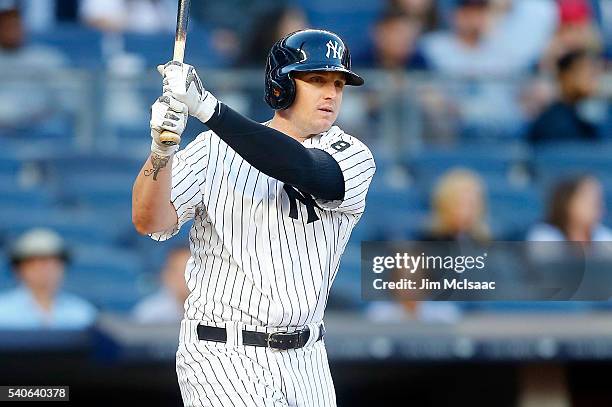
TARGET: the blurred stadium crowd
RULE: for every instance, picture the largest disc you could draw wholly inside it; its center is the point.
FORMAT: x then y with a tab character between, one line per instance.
488	120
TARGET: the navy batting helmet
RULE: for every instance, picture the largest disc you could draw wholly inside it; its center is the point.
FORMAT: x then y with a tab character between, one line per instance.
304	51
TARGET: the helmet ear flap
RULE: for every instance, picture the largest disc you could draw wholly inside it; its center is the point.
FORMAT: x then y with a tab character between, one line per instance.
280	93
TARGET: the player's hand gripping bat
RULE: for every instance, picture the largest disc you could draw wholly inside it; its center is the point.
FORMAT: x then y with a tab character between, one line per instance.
167	137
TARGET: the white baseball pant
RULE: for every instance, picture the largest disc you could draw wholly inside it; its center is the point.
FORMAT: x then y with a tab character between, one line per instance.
233	375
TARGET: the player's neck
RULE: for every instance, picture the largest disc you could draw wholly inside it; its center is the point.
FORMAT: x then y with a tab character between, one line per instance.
284	125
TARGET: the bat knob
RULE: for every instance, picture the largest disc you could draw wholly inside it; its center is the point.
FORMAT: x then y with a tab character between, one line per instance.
169	138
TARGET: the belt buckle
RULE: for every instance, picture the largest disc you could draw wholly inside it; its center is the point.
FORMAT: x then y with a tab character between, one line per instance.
275	340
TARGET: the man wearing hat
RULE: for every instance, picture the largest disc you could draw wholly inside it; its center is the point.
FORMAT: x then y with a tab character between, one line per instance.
28	102
38	259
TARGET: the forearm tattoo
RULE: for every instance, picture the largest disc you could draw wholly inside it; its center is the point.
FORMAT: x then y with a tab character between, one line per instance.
158	163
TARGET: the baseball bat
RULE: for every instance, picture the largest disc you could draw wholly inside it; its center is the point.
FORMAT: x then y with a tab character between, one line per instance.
182	18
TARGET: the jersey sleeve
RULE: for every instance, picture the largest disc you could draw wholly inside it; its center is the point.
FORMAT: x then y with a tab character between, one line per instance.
357	165
188	176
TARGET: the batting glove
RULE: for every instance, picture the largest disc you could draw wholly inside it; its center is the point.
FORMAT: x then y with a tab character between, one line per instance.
182	82
169	114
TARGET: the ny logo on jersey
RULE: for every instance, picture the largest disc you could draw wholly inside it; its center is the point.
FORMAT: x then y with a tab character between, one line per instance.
294	196
335	47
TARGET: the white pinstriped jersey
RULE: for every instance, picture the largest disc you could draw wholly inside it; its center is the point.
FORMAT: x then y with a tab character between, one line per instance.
263	253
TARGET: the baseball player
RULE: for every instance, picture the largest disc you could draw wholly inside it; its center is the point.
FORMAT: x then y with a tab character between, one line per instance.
273	206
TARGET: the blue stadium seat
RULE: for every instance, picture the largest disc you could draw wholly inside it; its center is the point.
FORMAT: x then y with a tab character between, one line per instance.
394	200
81	44
102	190
352	27
157	49
108	277
107	261
61	168
390	226
493	163
564	159
513	210
56	128
350	20
29	199
7	279
346	289
9	182
484	158
74	226
9	166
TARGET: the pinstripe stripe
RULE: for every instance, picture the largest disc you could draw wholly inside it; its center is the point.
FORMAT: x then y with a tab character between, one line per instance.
249	392
230	381
289	379
323	384
197	375
180	373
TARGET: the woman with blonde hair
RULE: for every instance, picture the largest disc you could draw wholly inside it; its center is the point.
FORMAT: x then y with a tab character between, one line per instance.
458	207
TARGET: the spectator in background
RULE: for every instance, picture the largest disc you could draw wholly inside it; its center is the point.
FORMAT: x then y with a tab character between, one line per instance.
167	304
271	25
575	211
44	15
458	208
39	258
15	54
578	76
424	11
461	51
522	29
473	67
139	16
492	43
30	101
394	39
577	30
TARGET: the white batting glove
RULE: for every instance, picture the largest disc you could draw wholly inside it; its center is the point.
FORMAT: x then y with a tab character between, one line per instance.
167	113
182	82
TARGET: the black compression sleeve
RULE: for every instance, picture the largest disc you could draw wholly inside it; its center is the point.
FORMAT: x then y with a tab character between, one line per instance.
279	156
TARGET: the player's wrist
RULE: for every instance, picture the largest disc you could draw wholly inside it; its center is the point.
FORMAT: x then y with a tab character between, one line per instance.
206	108
161	149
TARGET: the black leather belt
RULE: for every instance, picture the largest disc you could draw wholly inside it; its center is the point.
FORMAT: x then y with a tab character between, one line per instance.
275	340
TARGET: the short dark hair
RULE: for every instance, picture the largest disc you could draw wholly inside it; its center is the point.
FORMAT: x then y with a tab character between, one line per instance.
390	14
9	13
568	60
559	200
10	8
472	3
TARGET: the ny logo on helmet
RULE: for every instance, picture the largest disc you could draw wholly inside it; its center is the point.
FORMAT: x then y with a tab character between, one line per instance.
335	47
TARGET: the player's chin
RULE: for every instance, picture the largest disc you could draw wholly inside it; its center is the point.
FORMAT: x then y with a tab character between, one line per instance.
322	125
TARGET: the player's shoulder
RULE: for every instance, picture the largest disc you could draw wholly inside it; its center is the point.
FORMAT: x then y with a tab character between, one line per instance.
335	135
339	140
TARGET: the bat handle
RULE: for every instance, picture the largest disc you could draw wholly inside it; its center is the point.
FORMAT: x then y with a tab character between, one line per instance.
169	138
